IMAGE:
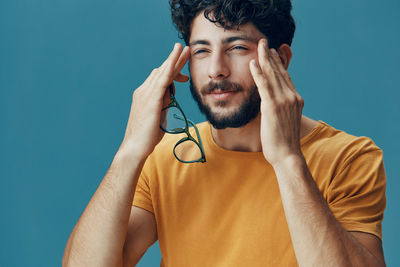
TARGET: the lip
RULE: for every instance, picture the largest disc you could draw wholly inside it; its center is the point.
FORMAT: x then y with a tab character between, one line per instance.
221	95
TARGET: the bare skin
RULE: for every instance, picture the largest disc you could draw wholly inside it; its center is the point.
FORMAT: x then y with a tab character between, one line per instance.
277	132
322	242
110	231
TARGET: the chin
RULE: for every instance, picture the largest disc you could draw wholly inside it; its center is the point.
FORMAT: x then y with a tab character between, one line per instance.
233	119
225	114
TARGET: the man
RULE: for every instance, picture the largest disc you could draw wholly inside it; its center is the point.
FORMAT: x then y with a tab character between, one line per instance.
277	188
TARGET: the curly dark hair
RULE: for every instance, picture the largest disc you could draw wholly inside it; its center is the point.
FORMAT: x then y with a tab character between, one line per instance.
270	17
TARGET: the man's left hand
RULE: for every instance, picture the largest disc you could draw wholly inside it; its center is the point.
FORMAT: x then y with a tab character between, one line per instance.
281	106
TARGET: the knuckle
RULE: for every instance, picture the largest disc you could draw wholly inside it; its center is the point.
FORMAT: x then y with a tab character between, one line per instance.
162	82
300	101
276	107
134	97
269	71
256	71
292	99
260	80
286	75
288	102
136	93
264	85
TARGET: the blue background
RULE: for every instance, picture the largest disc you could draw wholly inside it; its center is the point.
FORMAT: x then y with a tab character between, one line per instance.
67	72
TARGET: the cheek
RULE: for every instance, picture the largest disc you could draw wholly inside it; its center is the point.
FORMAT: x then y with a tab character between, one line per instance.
242	62
241	69
197	70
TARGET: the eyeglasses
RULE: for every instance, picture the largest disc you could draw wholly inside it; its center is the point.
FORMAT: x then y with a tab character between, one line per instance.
188	149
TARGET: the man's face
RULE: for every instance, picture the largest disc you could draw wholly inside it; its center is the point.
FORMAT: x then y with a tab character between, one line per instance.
221	81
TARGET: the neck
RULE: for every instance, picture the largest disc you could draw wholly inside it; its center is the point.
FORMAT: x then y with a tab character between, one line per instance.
247	138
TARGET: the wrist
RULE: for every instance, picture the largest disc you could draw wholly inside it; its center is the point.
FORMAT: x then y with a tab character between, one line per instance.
129	153
126	165
292	161
132	149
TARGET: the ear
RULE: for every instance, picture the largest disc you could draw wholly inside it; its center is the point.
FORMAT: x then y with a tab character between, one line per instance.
285	53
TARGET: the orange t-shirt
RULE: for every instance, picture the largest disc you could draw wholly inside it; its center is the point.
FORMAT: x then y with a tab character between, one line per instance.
228	211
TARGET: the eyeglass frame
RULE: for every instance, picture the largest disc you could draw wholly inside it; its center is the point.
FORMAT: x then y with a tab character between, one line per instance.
189	137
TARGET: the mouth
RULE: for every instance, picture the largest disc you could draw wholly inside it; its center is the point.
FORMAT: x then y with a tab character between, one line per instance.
221	95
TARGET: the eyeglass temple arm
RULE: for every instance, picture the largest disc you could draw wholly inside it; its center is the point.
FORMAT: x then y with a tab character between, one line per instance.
171	90
192	124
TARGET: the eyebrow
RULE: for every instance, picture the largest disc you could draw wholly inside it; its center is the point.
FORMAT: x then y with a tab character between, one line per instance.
227	40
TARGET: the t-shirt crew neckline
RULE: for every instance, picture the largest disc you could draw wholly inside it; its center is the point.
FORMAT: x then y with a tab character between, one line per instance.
209	140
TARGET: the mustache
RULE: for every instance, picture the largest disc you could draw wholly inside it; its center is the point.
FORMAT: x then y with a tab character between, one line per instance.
223	86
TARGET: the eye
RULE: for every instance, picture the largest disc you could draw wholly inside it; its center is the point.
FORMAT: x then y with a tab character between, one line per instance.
199	51
238	47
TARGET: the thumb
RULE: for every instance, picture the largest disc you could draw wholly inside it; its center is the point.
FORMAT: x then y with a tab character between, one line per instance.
166	101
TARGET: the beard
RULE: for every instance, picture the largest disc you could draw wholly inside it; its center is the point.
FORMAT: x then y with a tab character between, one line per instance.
243	114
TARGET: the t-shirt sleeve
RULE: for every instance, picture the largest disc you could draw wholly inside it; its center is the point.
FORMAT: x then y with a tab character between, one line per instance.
356	195
142	197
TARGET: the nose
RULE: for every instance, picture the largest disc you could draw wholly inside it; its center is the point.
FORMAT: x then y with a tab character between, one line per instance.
218	68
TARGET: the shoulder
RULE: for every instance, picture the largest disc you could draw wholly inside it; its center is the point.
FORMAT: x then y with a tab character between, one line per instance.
336	145
330	138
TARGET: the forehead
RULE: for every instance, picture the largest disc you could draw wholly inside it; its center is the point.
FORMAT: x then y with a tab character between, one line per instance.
203	29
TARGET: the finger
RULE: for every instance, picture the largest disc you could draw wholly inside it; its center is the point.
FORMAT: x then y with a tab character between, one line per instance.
183	58
166	100
260	80
173	56
265	64
274	58
283	75
163	114
181	78
277	60
168	67
167	95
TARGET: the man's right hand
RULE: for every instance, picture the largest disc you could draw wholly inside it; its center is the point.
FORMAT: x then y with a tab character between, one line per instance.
143	131
98	238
